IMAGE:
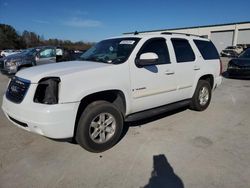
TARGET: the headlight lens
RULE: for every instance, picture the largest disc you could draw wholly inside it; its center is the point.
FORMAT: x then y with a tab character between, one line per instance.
10	63
232	66
47	91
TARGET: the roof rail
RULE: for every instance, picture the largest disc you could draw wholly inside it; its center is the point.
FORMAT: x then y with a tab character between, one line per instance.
136	33
171	33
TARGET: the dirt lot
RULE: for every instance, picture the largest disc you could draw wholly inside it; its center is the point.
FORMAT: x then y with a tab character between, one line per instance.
185	149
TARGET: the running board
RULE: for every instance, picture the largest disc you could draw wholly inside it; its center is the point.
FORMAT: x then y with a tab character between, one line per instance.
156	111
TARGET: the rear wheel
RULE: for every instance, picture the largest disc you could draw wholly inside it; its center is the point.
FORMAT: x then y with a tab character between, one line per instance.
202	96
100	126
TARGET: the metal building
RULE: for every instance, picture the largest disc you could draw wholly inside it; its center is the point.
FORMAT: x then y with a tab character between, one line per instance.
222	35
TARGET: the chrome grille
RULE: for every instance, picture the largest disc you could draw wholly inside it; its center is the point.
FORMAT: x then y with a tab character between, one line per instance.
17	89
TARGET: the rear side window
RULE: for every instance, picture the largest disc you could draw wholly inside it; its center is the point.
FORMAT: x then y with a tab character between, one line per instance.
183	50
207	49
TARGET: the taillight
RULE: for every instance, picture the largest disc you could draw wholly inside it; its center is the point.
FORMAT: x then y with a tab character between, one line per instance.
220	67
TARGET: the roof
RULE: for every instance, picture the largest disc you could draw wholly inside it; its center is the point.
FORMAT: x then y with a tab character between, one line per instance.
193	27
150	35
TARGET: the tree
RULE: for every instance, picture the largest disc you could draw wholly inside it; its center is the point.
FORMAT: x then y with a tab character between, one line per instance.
9	38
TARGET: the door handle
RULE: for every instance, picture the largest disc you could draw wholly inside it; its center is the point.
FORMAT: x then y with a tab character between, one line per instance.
169	72
196	68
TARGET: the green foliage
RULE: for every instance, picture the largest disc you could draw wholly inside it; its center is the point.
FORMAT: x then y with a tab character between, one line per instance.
10	39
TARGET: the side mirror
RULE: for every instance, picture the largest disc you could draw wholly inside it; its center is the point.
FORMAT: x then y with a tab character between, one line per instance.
147	59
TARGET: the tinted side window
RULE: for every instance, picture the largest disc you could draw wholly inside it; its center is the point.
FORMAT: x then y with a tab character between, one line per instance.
49	52
159	47
183	50
207	49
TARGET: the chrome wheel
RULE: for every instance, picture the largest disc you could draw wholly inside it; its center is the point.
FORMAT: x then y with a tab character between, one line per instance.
102	128
203	96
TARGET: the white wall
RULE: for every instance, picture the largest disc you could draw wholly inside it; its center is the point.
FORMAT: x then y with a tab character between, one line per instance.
208	30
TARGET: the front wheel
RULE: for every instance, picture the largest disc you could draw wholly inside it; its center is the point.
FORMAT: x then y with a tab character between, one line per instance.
100	126
202	96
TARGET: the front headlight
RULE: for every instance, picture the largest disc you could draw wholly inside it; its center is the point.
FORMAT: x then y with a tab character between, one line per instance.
231	65
10	64
47	90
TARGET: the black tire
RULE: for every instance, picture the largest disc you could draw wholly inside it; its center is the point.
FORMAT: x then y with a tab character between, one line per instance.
196	103
92	112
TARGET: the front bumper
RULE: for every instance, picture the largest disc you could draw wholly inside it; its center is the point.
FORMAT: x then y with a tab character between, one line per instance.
53	121
9	70
244	73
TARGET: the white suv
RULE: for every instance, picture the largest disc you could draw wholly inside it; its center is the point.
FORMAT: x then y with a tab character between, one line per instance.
120	79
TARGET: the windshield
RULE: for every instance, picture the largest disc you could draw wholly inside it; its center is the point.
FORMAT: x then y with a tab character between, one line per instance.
30	51
112	51
245	54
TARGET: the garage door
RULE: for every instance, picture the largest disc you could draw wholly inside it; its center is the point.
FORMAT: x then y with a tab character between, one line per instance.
222	39
244	37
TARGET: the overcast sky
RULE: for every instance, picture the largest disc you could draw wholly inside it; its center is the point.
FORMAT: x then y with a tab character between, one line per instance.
94	20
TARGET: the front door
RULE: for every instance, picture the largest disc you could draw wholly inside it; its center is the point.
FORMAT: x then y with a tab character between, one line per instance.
46	56
153	85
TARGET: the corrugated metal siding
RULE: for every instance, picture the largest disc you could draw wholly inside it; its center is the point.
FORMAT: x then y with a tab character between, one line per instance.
244	37
222	39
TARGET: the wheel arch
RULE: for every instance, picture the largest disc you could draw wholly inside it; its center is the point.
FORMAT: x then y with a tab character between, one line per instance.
209	78
114	96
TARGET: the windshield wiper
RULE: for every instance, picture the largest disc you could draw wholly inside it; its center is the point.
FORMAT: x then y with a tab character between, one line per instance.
95	59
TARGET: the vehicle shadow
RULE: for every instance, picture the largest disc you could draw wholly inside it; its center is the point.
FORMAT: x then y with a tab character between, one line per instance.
147	120
127	125
162	175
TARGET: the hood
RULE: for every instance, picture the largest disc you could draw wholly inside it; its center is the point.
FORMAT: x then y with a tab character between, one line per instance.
18	56
34	74
241	62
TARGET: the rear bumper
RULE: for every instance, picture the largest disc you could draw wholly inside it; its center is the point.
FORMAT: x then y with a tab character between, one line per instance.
53	121
217	81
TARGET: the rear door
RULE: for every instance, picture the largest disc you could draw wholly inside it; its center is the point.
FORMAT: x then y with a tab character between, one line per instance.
186	66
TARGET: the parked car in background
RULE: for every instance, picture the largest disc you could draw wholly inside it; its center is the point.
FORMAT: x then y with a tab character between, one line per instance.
244	46
240	67
27	58
232	51
6	53
34	56
78	53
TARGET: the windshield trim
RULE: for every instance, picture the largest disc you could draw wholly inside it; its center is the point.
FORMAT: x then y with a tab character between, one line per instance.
110	61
